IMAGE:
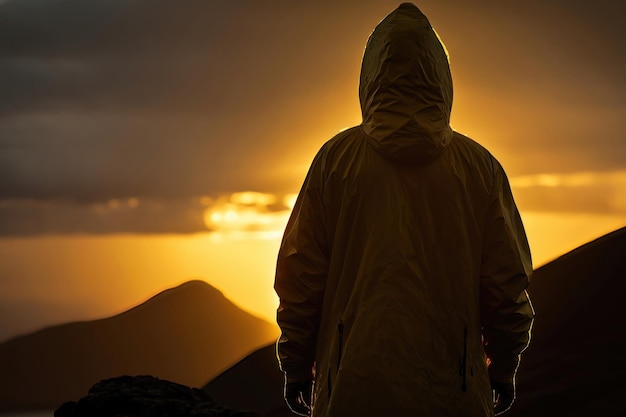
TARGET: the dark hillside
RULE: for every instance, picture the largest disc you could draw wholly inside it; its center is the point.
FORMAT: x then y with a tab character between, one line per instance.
575	363
187	335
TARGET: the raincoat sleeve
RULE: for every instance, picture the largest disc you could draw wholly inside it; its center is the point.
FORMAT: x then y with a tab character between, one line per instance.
506	311
301	273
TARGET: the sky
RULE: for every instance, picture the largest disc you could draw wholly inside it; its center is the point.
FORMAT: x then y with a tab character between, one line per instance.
144	143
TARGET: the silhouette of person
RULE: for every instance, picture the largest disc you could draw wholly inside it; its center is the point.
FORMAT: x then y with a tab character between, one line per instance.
404	263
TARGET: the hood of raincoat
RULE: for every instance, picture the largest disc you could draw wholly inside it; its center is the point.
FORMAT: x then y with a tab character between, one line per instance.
405	88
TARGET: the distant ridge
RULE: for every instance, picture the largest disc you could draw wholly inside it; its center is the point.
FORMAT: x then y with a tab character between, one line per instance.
574	366
575	363
187	334
612	242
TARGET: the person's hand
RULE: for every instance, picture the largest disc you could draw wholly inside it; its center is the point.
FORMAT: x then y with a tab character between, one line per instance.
298	397
503	396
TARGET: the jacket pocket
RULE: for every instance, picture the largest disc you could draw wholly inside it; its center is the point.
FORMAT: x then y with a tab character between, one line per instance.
339	356
463	366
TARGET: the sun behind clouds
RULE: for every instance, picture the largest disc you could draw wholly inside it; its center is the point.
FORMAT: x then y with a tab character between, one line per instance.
249	211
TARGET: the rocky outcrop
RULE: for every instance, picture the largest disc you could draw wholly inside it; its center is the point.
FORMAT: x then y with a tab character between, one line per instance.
145	396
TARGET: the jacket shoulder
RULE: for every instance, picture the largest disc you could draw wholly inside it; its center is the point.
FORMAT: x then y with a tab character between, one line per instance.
480	155
471	145
342	137
337	144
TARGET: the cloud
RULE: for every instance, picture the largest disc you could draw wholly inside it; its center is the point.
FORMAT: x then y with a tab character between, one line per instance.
227	214
580	192
110	99
166	101
131	215
250	212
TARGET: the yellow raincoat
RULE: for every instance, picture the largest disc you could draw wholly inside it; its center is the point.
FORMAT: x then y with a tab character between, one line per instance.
405	260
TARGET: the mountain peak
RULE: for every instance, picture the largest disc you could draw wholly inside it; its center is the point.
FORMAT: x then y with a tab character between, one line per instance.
194	286
187	334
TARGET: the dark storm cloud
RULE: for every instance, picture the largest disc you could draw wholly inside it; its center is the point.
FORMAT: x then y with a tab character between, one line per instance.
159	100
76	55
23	217
191	56
156	99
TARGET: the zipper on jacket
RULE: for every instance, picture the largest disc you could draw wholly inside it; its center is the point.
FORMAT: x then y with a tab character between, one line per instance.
340	351
330	386
463	369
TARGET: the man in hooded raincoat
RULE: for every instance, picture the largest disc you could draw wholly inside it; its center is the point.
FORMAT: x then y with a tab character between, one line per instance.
404	263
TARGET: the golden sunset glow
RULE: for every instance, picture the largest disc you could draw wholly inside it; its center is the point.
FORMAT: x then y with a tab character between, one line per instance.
249	211
112	194
240	263
133	268
551	235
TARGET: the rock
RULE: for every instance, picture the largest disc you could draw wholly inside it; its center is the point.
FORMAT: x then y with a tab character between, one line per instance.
145	396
